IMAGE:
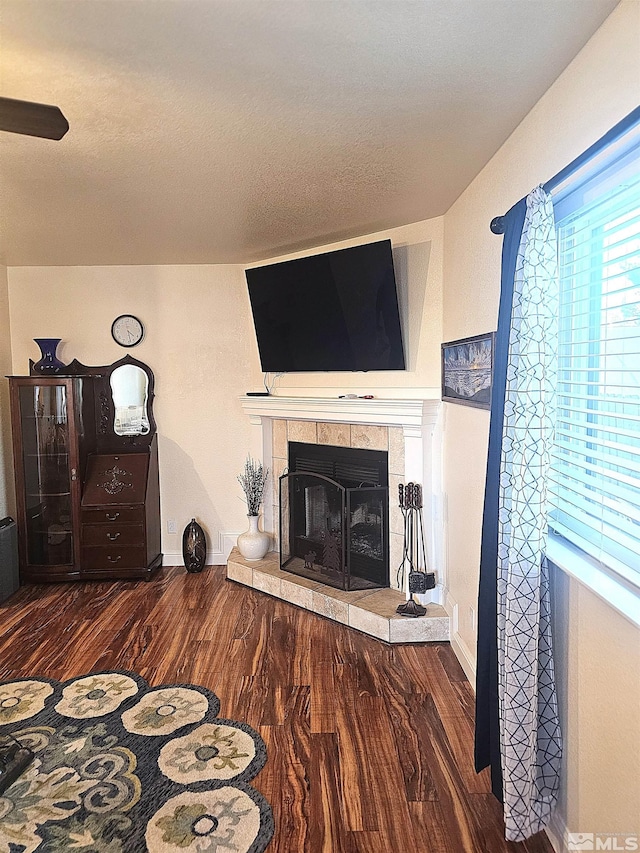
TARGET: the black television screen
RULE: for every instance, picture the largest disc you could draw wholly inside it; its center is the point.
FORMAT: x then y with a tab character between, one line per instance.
336	311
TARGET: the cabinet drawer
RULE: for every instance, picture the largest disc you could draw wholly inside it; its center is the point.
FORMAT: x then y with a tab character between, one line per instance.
116	557
107	515
112	534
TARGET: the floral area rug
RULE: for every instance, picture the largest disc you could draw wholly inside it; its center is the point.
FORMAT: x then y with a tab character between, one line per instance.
121	767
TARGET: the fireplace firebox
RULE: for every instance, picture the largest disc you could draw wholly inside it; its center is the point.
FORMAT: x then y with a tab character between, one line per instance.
334	515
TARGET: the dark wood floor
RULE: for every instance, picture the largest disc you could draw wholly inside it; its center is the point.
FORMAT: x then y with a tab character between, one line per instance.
370	746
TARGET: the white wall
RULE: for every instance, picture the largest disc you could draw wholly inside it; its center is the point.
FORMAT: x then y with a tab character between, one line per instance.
599	664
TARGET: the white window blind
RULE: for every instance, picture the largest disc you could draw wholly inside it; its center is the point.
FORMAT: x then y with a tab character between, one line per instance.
595	474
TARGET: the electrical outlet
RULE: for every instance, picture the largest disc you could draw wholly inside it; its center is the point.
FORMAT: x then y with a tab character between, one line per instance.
172	526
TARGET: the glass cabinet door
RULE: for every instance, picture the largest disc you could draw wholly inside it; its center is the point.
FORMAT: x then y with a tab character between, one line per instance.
48	465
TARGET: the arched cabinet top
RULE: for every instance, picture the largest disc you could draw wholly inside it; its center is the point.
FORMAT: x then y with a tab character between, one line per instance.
123	394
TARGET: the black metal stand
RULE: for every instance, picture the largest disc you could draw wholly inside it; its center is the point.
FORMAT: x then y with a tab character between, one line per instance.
414	556
411	608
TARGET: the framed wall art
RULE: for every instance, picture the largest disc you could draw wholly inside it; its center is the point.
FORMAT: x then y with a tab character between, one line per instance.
467	370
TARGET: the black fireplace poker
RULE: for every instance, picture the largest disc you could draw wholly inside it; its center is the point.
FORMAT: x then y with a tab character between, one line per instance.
414	554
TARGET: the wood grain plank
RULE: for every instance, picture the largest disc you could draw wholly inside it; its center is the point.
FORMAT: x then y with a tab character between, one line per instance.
370	745
454	709
449	785
325	790
408	735
433	832
356	772
322	653
285	780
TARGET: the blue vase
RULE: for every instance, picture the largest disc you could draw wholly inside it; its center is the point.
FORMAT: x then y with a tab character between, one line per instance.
48	364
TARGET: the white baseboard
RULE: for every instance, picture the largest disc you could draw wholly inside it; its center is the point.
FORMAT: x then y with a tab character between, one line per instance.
464	655
557	833
460	648
216	556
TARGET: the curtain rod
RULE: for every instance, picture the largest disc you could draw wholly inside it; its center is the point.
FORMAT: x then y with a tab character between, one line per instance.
497	225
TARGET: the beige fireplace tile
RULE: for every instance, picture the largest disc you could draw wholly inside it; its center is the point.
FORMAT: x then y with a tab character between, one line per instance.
396	451
396	546
240	573
323	605
279	438
277	469
382	602
432	628
236	557
369	437
369	623
295	593
396	519
302	431
298	580
337	434
267	582
270	565
353	596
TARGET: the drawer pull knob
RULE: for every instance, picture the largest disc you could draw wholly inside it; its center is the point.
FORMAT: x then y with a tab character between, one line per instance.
114	559
112	536
112	517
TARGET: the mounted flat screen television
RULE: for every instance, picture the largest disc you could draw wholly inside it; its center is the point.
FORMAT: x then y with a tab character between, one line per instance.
336	311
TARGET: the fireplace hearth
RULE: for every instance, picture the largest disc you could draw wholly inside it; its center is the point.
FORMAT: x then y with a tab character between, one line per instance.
334	516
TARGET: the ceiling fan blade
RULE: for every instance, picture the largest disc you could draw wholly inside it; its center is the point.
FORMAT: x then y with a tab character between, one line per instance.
32	119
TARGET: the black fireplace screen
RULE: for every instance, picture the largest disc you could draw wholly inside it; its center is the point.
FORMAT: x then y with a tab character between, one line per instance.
332	533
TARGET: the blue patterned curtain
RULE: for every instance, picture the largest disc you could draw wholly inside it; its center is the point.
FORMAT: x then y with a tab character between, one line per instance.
517	729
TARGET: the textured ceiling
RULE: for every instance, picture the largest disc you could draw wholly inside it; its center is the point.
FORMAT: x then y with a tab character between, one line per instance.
214	132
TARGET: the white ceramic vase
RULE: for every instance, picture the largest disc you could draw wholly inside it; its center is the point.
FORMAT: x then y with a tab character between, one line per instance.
253	544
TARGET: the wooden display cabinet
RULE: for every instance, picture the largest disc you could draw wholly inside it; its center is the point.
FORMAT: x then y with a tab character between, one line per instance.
86	466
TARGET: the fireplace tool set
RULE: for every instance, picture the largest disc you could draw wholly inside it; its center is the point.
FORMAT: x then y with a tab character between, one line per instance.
413	574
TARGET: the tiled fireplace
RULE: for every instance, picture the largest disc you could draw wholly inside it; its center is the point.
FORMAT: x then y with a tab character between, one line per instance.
408	432
407	429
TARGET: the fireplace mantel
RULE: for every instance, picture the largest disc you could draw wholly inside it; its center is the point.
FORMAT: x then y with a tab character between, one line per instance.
412	415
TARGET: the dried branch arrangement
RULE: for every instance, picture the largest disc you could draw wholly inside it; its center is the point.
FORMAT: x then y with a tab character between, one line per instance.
252	481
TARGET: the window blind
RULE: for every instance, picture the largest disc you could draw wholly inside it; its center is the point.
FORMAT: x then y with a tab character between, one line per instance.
594	486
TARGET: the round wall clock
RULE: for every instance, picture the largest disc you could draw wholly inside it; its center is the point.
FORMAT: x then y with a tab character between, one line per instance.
127	330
